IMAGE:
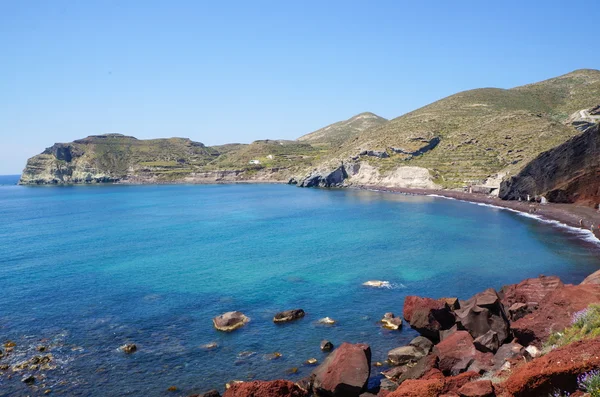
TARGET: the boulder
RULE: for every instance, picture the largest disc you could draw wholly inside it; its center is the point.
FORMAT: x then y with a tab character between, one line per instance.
483	362
483	313
518	310
487	342
511	353
554	313
455	353
428	316
288	315
593	278
344	372
276	388
433	387
392	322
530	291
556	370
419	369
405	355
230	321
326	346
128	348
478	388
447	332
422	343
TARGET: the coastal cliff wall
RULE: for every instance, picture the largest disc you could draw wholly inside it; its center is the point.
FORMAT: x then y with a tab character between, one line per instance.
569	173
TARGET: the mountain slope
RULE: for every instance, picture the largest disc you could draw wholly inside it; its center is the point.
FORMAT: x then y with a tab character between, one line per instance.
474	135
336	134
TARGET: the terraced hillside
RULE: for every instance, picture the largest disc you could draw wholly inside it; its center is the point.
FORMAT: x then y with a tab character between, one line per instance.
338	133
475	135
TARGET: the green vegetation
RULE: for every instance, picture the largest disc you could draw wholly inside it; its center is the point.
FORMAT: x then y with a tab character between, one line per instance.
484	131
338	133
585	325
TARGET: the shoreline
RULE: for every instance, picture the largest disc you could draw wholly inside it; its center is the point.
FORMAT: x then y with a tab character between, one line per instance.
568	215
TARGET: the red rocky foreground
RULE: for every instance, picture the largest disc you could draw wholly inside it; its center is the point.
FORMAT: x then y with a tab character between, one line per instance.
485	346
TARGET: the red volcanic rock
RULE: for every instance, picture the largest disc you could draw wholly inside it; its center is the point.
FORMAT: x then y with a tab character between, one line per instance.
556	370
554	313
483	316
479	388
455	353
419	388
428	316
276	388
344	372
530	291
433	387
593	278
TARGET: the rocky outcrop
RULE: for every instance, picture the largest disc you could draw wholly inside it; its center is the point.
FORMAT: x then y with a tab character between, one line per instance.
344	372
455	353
428	316
230	321
554	313
276	388
557	370
569	173
288	315
429	144
593	278
324	178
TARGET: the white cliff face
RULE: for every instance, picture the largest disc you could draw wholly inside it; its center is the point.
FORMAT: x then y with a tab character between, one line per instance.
401	177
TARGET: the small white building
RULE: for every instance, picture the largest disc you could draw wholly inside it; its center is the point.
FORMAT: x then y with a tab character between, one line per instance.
253	162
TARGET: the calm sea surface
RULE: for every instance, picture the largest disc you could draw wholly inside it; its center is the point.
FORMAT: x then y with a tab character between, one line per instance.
86	269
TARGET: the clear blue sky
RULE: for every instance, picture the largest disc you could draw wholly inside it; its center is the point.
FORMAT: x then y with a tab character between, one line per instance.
224	71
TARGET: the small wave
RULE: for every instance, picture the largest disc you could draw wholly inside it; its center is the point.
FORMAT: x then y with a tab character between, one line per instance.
383	284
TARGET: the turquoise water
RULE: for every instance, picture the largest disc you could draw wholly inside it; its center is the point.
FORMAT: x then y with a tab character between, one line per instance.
86	269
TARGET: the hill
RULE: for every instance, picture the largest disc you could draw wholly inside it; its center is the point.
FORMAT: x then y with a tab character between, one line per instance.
338	133
472	137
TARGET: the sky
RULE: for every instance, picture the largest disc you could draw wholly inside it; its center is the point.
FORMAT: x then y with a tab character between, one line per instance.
237	71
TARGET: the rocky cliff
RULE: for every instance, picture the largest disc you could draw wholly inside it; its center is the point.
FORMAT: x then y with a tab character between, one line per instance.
569	173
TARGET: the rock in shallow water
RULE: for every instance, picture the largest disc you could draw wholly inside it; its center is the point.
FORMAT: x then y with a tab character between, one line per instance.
392	322
326	346
128	348
230	321
288	315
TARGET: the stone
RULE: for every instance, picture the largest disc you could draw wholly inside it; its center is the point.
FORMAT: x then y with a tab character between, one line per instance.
530	291
405	355
447	332
483	313
345	372
487	342
311	361
478	388
377	284
230	321
391	322
28	379
419	369
276	388
428	316
326	346
508	353
554	313
518	310
556	370
455	353
128	348
326	321
209	346
483	362
533	351
288	315
422	343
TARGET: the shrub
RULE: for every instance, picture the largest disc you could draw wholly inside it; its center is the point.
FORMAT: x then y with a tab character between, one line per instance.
585	324
590	382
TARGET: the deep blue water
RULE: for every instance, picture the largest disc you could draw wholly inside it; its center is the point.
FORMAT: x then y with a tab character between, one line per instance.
9	179
86	269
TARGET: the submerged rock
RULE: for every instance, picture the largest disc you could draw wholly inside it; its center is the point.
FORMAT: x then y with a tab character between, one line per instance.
392	322
327	321
128	348
326	346
230	321
377	284
288	315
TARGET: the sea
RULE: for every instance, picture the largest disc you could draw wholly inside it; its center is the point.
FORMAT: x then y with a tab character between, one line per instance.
87	269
